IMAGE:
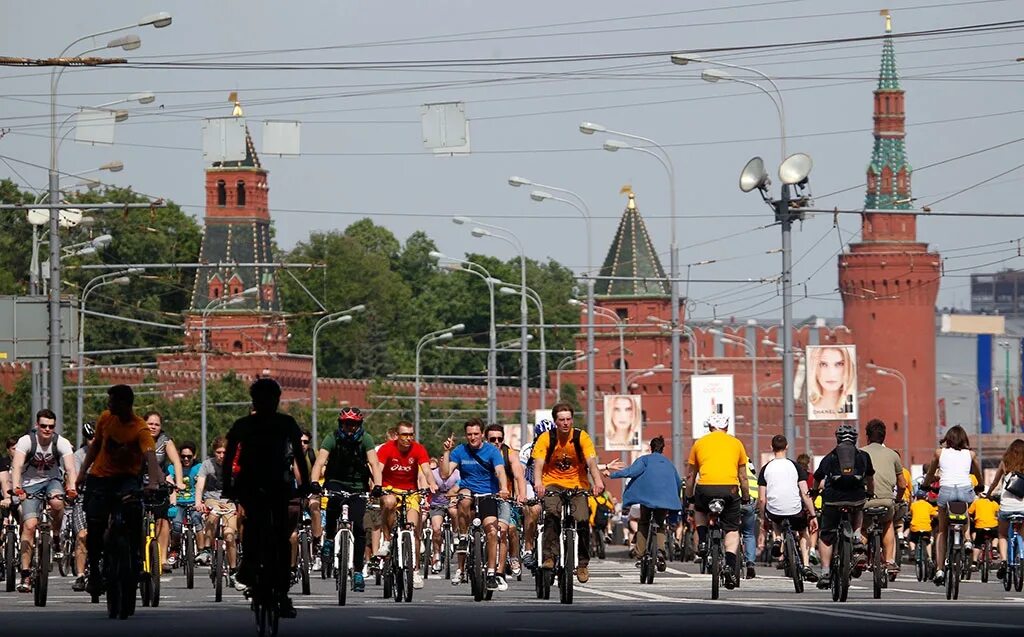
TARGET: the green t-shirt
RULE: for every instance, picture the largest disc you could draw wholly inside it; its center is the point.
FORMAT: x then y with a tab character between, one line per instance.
347	466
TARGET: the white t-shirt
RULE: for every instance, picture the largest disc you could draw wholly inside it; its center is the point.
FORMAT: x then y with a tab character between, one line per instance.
781	477
46	464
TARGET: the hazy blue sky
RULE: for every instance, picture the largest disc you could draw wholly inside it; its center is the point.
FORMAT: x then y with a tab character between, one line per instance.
363	154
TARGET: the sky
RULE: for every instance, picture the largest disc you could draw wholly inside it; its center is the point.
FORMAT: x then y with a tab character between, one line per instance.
355	74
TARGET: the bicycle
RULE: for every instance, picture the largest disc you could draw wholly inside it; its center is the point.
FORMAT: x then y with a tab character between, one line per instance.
120	558
841	565
568	546
341	566
10	539
1014	575
476	558
42	549
956	512
716	548
305	546
923	562
188	546
880	576
66	563
219	567
687	552
152	560
447	544
649	559
264	596
400	563
989	554
792	562
541	583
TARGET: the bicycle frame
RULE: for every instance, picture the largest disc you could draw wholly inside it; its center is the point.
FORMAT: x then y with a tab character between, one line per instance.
568	523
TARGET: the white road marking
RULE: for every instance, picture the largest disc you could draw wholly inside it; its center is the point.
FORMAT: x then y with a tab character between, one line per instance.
385	618
594	591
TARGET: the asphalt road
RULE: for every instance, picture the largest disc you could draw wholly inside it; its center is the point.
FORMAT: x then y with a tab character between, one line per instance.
611	603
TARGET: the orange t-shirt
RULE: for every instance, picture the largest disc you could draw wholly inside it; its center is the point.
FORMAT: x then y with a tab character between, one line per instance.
565	468
123	446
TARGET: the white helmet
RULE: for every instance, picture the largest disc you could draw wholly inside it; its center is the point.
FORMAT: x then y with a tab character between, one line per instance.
717	421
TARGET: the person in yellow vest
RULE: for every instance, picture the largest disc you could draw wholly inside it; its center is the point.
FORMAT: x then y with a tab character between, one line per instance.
749	528
984	514
922	520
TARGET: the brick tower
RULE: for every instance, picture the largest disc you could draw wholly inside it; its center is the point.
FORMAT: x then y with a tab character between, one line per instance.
889	281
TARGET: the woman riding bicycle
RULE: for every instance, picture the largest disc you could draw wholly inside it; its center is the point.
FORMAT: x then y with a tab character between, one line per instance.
954	463
1011	466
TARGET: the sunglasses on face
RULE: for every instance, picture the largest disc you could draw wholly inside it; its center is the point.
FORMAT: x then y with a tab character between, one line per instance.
495	439
187	456
46	426
406	435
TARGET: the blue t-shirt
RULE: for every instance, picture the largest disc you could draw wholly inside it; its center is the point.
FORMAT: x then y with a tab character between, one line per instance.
474	476
188	496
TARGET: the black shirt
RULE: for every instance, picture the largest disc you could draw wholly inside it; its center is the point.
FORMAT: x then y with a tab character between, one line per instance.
839	488
5	464
266	445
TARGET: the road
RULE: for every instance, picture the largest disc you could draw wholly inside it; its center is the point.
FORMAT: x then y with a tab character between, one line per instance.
611	603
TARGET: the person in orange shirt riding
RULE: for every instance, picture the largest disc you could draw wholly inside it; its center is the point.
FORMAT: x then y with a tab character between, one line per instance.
984	514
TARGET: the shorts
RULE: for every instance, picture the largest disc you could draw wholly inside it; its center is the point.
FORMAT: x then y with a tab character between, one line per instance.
634	512
412	502
890	510
918	536
372	518
517	517
438	510
485	507
1004	516
30	507
78	523
797	522
831	514
177	515
731	517
955	494
504	511
980	535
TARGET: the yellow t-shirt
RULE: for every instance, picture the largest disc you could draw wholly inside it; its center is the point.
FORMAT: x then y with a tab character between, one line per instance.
718	456
909	482
921	514
565	469
123	446
984	512
593	503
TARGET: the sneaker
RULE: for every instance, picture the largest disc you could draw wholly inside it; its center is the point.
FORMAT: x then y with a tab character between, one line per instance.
810	575
751	572
940	578
582	574
417	579
385	548
358	583
79	584
327	549
702	549
204	557
366	570
25	586
492	582
529	561
457	578
235	584
549	562
776	549
317	563
1001	572
285	608
502	584
516	568
172	559
968	545
661	565
294	576
727	578
825	582
435	565
462	544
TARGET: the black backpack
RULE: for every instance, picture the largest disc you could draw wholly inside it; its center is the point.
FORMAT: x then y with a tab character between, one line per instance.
553	439
348	453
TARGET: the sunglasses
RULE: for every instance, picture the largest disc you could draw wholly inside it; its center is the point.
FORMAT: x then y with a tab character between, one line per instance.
305	442
187	456
495	439
410	435
46	426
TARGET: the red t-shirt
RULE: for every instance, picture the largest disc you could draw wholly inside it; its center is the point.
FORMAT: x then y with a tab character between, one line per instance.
400	469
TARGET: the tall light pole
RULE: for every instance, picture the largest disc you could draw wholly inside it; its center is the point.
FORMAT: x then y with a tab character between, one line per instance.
512	288
344	316
895	373
620	325
589	128
751	349
580	204
158	20
572	359
438	335
686	329
462	265
111	278
506	235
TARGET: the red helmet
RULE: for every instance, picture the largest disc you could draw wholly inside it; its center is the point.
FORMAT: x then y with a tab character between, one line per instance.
350	414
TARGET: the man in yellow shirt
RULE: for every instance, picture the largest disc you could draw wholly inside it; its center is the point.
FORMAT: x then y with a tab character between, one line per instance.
720	461
562	458
985	524
922	519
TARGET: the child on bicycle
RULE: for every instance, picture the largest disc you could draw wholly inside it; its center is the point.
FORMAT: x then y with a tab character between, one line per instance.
984	514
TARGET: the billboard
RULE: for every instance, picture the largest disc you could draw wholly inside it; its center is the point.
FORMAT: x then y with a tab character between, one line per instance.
711	394
623	422
831	382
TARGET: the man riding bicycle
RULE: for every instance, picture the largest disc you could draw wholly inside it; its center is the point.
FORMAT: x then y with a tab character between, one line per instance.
562	459
720	461
113	466
531	513
783	495
889	482
267	446
508	527
847	478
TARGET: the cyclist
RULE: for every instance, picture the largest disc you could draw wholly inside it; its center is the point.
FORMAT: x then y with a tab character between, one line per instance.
184	498
721	462
923	516
5	473
889	481
1012	501
601	509
531	513
168	457
439	503
266	444
562	459
112	466
654	485
316	521
984	514
783	495
954	463
36	468
508	531
402	461
481	468
846	476
78	511
346	461
209	497
748	528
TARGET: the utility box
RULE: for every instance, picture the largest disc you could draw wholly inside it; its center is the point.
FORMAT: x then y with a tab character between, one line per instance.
25	328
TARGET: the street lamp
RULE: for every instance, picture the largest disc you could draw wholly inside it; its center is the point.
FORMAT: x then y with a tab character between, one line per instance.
643	373
438	335
506	235
219	303
512	288
589	128
621	326
462	265
888	371
751	349
667	325
158	20
569	360
344	316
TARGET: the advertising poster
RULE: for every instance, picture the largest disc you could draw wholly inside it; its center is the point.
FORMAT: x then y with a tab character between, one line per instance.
831	382
711	395
623	422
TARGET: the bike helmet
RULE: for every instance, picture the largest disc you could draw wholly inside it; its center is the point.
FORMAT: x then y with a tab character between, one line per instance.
89	430
846	433
543	426
717	421
350	415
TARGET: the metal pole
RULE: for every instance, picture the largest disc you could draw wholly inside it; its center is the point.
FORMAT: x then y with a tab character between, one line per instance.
36	368
906	420
622	357
315	390
524	374
416	395
1006	398
56	367
202	389
492	360
788	406
591	363
757	430
543	354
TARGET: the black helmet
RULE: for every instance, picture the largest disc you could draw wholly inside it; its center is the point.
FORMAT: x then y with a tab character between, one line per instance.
846	433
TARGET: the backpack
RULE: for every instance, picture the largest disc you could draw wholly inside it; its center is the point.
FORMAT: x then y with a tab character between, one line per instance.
30	457
347	453
846	453
553	439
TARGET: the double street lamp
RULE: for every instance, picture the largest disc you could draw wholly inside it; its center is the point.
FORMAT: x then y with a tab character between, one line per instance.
751	349
898	375
620	325
344	316
439	335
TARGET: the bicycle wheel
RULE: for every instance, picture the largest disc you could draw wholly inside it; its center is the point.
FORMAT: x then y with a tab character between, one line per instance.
410	565
1012	557
878	574
793	563
66	563
398	576
111	575
189	565
219	568
538	582
478	568
11	559
715	558
43	545
341	578
129	579
952	573
670	545
446	553
305	561
652	555
845	568
599	544
155	568
388	578
986	552
1018	577
569	567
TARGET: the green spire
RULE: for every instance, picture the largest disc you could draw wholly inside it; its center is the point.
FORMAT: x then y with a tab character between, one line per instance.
632	255
888	174
887	76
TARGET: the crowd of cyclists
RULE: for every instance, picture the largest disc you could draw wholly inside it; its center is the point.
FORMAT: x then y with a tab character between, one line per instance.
271	472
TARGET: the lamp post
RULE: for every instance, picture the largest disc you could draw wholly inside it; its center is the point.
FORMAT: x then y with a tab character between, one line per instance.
751	349
621	326
686	330
492	355
888	371
485	230
643	373
438	335
589	128
572	359
344	316
1007	407
111	278
512	288
158	20
222	302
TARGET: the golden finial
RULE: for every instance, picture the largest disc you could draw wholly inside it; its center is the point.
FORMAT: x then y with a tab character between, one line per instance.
237	110
888	19
628	190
